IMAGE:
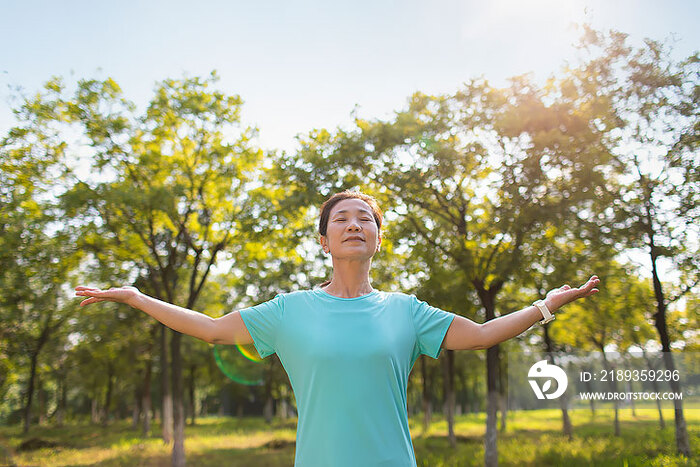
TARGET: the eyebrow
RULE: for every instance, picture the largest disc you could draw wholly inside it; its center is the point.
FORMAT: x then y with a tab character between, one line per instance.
364	211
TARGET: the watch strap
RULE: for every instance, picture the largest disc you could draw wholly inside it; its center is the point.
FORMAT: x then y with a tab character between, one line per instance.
546	314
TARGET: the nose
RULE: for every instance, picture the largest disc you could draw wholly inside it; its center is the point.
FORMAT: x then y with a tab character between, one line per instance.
354	226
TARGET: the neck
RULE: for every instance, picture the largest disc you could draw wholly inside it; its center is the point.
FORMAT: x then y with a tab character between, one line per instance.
350	279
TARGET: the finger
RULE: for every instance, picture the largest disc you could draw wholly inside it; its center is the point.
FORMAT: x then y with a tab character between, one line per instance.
97	300
88	292
80	287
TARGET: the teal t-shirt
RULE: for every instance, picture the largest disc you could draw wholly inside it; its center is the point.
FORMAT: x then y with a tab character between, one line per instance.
348	361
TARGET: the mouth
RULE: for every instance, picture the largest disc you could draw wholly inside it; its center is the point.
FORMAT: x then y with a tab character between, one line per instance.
354	239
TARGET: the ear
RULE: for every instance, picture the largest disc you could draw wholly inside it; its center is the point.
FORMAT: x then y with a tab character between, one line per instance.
324	243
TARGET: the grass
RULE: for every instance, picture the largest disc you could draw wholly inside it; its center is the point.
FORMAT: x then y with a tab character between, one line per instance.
531	439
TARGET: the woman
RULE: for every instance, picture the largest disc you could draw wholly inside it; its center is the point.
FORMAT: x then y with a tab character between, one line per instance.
347	348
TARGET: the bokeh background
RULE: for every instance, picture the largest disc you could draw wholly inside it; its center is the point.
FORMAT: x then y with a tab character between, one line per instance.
185	149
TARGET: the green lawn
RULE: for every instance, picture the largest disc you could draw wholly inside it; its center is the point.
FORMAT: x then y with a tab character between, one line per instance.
532	439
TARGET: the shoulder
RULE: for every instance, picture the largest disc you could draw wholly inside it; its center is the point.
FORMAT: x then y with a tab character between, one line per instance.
399	299
296	297
299	293
401	296
294	294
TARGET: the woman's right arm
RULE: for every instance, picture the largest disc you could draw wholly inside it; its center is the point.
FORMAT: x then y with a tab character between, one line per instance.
228	329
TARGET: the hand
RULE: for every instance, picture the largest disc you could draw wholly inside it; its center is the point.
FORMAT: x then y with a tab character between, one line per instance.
557	298
120	295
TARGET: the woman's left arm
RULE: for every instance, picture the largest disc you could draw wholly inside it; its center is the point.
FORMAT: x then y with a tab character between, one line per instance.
465	334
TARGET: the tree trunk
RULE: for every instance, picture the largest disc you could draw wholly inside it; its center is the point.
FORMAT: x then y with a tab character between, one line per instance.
427	402
613	388
146	389
655	388
503	411
30	392
283	409
268	409
448	383
491	439
474	396
108	395
487	297
589	388
503	396
94	412
463	399
567	428
41	393
146	400
634	408
167	395
178	459
267	396
193	369
61	398
682	440
137	407
662	423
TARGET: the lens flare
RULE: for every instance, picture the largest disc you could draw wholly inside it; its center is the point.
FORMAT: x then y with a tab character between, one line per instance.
240	363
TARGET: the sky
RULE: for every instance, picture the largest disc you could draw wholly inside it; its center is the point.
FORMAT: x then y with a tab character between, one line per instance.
300	65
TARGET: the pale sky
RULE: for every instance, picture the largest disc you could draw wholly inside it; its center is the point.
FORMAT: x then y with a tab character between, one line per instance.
300	65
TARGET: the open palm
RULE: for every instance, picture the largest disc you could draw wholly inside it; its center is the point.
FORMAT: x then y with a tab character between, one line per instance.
120	295
559	297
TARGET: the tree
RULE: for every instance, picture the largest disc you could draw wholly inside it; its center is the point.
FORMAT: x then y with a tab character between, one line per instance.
182	194
656	210
36	259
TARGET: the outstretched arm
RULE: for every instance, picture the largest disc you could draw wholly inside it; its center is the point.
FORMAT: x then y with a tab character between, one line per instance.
465	334
228	329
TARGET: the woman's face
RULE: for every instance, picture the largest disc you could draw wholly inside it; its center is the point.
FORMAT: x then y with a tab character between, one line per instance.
351	218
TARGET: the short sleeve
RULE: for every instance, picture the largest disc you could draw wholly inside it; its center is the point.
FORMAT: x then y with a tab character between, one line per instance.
431	326
262	322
